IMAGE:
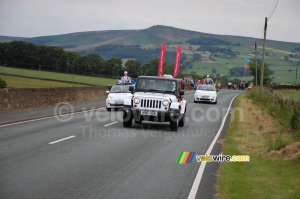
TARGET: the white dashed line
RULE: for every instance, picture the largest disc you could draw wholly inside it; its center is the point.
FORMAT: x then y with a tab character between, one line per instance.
44	118
54	142
110	124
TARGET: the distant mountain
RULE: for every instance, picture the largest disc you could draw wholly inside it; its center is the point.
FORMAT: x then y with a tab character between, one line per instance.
154	35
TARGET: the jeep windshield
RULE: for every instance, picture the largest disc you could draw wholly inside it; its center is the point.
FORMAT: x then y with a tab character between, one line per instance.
167	86
206	87
120	89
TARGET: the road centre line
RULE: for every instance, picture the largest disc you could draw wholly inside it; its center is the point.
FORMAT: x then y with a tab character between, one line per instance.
54	142
200	172
44	118
110	124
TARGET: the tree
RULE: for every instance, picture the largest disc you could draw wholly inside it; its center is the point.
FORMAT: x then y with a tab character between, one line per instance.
196	57
239	72
151	67
266	78
113	67
133	67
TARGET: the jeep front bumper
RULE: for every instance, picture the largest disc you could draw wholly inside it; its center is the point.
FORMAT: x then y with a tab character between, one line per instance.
156	115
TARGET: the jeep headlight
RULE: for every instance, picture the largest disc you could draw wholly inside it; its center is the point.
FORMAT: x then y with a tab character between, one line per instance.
137	100
165	103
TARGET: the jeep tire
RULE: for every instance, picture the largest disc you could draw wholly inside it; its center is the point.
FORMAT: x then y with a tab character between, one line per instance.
127	121
181	121
174	125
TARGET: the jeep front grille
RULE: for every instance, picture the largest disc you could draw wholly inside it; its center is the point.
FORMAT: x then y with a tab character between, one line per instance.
149	103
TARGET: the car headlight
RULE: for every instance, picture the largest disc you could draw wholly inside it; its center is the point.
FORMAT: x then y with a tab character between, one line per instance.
109	98
213	95
197	94
165	103
137	100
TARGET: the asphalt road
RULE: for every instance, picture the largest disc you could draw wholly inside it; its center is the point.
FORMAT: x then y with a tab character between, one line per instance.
93	156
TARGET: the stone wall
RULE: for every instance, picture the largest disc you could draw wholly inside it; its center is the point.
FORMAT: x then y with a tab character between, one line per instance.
26	98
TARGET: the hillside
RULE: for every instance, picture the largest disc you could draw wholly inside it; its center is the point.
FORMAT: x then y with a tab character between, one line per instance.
203	53
154	35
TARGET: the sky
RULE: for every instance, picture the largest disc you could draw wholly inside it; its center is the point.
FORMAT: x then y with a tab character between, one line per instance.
32	18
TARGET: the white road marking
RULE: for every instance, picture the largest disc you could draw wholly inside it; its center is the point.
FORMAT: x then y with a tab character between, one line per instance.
110	124
54	142
44	118
198	178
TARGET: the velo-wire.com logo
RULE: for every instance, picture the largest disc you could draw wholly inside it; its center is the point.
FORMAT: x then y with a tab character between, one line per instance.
187	158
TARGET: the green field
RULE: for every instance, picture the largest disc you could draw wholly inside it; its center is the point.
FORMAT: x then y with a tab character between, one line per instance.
24	82
100	81
284	72
289	94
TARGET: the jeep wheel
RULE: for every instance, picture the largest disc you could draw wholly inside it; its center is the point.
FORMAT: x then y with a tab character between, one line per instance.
108	109
181	121
127	120
174	125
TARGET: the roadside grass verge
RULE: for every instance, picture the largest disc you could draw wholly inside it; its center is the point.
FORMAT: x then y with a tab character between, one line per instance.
286	111
24	82
100	81
254	132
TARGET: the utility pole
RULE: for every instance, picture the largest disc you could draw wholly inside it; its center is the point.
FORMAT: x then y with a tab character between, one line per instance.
297	73
255	65
263	55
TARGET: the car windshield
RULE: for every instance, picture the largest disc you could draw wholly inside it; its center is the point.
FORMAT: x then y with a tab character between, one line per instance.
205	87
156	85
120	89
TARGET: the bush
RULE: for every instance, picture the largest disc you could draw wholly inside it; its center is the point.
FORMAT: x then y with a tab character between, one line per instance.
3	83
295	120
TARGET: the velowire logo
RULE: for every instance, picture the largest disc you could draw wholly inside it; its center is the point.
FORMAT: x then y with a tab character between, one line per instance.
185	157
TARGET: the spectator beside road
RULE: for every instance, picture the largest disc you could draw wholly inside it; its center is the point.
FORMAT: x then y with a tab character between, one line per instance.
234	87
229	85
246	85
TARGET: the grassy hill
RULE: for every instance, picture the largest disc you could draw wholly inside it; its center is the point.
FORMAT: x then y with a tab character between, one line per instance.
144	45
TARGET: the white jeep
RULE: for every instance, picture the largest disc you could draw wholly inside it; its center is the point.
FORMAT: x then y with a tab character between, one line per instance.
158	99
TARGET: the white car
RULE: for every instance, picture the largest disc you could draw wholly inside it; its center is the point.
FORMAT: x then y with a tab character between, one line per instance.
116	96
206	93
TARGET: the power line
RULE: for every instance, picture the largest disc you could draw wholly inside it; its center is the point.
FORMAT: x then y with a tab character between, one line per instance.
271	7
273	11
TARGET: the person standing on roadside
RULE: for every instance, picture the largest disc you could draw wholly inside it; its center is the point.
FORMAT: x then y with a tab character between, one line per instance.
229	85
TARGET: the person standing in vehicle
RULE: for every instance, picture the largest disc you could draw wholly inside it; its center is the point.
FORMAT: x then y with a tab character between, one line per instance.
126	79
208	80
